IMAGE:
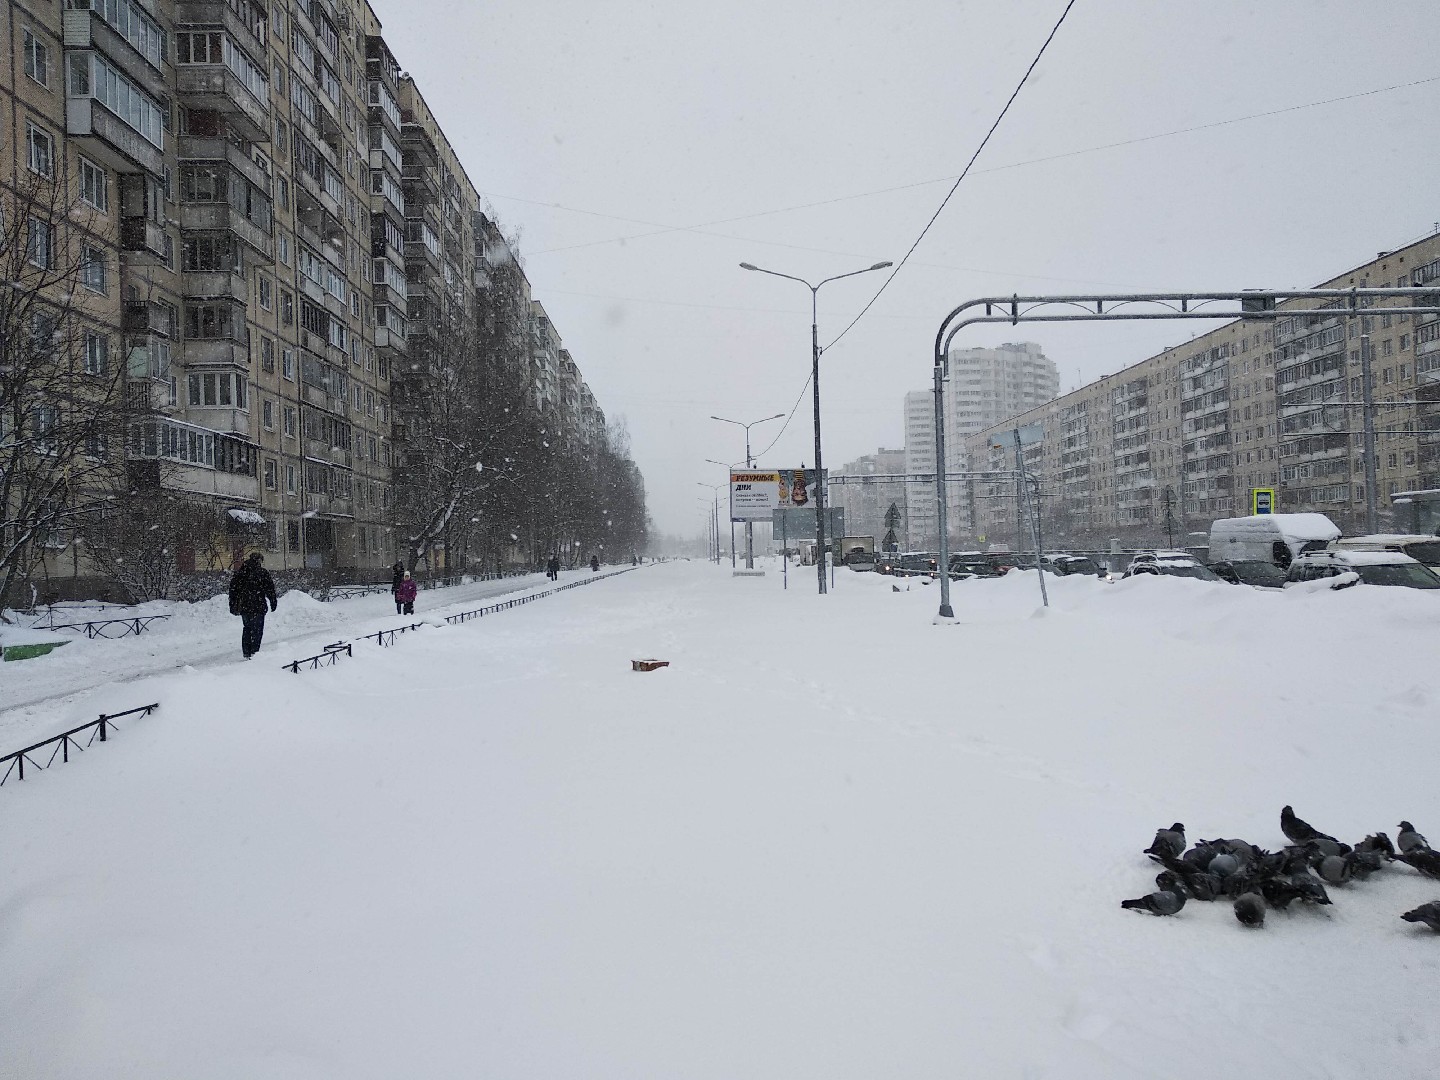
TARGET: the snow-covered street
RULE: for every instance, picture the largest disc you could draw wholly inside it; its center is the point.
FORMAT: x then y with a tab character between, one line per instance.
831	839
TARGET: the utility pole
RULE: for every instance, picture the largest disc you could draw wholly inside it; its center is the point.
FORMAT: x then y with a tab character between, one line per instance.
1367	402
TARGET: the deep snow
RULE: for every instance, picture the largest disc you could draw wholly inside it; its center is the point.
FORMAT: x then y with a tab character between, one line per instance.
830	840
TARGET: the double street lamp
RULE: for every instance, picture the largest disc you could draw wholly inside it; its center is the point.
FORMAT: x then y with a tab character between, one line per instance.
749	464
715	515
727	467
820	549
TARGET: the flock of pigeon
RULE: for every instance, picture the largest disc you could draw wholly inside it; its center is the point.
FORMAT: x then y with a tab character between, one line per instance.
1254	879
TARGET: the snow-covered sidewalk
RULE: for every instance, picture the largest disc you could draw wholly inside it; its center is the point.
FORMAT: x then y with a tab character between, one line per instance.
42	696
831	839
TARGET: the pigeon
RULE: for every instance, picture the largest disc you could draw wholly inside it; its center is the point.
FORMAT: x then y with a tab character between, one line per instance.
1224	864
1197	884
1364	863
1422	859
1250	909
1322	846
1169	842
1377	843
1429	914
1297	830
1278	893
1407	839
1309	889
1163	902
1334	869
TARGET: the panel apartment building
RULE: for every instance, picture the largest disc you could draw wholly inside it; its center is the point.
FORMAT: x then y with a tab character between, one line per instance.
1159	450
986	386
278	235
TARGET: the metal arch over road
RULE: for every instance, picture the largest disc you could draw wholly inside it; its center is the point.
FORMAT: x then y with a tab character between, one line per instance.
1257	304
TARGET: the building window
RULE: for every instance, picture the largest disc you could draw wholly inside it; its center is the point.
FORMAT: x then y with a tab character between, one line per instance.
41	150
210	253
94	185
288	421
267	355
267	414
287	364
92	269
39	243
97	354
287	307
37	57
290	490
270	472
265	289
217	389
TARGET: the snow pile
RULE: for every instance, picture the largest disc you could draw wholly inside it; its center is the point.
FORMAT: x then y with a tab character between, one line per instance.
830	839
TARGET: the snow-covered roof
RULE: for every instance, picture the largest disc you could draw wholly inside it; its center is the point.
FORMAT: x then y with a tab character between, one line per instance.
1347	557
1298	526
245	517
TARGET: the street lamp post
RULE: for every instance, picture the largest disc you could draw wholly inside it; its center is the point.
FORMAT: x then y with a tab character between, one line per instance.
715	519
820	549
726	466
749	464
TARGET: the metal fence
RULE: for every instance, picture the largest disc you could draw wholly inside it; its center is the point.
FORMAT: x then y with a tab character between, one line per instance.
61	745
329	658
111	628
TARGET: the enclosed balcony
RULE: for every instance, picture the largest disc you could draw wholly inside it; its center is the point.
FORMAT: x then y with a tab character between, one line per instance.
212	71
215	197
130	40
122	125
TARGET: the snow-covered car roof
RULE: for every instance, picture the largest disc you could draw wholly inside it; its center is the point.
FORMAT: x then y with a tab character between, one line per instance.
1348	557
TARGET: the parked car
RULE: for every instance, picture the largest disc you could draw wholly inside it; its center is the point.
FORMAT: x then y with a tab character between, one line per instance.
972	565
1369	568
916	564
1155	566
1423	549
1064	565
1262	575
860	560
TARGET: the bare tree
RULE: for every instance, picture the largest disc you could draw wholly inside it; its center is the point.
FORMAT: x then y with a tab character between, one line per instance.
63	408
137	543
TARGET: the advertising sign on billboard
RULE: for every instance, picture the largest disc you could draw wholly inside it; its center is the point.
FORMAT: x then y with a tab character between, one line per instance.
756	493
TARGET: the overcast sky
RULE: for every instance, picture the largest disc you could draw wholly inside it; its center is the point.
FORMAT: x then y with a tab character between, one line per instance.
641	151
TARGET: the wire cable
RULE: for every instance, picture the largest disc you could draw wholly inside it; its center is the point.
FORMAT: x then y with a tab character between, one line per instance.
785	425
959	179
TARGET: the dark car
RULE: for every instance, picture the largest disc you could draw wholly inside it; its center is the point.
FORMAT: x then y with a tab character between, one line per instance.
1262	575
1063	565
1171	568
861	560
916	564
963	567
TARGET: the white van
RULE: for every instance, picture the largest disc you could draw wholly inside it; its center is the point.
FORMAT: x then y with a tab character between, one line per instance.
1272	538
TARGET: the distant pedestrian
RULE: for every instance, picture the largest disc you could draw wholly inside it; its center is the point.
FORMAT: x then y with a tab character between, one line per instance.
594	563
552	568
405	595
397	575
251	588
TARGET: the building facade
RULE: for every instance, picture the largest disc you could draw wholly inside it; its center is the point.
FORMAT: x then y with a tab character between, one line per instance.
1156	452
278	236
867	489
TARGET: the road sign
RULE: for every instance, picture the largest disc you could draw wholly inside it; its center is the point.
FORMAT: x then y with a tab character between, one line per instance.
1262	501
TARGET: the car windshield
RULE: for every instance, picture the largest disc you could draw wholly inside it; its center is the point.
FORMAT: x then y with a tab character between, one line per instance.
1259	573
1191	570
1081	566
1410	575
1424	551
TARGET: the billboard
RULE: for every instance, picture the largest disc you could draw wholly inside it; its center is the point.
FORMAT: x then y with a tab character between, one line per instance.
755	494
792	524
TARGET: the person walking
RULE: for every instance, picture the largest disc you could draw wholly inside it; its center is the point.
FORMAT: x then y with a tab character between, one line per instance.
552	568
594	563
405	595
251	588
397	575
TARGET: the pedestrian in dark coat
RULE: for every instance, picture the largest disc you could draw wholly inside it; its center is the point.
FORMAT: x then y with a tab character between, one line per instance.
552	568
405	595
251	589
397	575
594	563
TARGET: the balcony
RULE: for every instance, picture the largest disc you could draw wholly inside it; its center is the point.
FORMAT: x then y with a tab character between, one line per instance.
417	145
213	352
210	13
195	148
141	236
87	30
222	217
228	421
214	86
321	450
390	341
112	141
204	285
326	505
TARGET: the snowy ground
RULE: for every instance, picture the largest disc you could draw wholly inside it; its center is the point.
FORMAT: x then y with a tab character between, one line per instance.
830	840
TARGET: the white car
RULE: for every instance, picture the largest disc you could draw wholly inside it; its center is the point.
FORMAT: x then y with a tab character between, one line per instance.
1368	567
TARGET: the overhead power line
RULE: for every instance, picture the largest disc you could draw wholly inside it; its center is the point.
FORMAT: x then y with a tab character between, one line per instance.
959	179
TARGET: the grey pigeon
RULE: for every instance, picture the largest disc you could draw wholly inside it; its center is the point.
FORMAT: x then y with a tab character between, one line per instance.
1297	829
1429	914
1407	839
1163	902
1224	864
1322	846
1376	842
1168	842
1364	863
1195	883
1278	893
1422	859
1250	909
1309	889
1333	870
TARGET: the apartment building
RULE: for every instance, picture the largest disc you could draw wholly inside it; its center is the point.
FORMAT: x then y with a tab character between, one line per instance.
1160	449
922	530
866	488
278	235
